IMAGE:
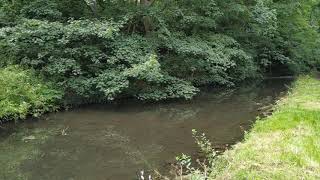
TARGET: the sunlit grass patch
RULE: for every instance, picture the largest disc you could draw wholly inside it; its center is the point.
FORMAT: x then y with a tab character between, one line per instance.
312	105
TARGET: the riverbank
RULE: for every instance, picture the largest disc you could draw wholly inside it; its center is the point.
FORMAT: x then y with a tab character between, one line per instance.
285	145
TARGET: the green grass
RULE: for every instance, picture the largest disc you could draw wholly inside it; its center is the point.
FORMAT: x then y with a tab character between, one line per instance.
285	145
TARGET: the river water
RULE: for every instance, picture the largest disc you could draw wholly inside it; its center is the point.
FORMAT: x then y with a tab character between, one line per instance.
115	141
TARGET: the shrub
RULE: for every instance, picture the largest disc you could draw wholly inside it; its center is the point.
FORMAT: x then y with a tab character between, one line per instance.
23	93
90	60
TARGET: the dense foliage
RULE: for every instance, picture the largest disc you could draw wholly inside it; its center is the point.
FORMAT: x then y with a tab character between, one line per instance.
22	93
99	50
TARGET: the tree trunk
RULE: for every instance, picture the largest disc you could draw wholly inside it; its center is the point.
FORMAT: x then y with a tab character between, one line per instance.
146	19
93	6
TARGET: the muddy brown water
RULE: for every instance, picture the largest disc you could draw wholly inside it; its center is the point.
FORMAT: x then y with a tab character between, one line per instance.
103	142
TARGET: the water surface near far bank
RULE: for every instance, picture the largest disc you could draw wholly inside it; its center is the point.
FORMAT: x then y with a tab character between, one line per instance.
115	141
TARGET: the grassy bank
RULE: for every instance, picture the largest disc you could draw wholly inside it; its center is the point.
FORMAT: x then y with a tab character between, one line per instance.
285	145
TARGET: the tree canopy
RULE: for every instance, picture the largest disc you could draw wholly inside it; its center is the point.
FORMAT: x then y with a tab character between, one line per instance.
100	50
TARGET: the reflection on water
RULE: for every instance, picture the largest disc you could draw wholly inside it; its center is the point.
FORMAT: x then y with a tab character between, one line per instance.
115	141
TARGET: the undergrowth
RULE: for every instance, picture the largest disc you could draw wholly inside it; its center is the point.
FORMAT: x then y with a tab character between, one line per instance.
24	93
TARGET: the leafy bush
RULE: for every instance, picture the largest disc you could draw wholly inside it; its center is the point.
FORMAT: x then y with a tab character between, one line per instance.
204	167
299	26
90	60
100	50
212	59
22	93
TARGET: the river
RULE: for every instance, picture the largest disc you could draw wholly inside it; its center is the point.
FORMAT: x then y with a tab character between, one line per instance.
115	141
